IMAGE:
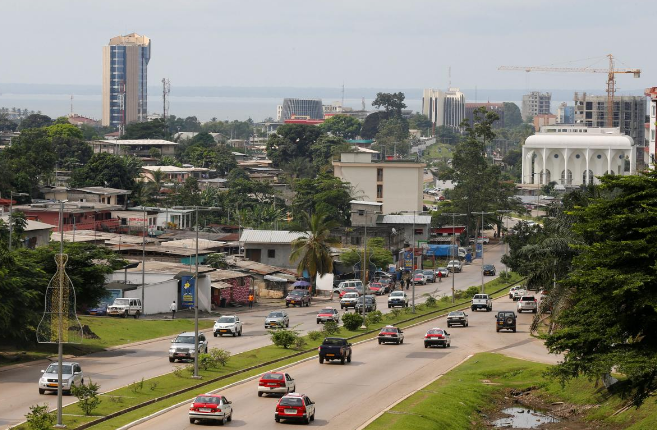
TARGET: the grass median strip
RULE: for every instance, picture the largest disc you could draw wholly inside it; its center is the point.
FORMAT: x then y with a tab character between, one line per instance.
140	393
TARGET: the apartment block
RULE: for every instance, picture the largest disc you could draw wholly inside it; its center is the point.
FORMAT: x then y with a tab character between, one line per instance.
651	93
535	103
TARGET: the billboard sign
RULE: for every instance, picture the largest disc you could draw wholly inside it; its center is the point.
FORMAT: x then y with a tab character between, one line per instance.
187	292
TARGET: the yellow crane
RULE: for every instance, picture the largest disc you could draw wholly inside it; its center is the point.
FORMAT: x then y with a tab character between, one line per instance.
611	79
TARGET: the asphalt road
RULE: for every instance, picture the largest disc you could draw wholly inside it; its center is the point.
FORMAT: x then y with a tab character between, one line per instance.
122	366
347	396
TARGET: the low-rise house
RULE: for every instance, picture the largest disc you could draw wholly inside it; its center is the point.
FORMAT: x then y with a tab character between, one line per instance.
35	233
174	174
272	247
140	148
110	196
76	215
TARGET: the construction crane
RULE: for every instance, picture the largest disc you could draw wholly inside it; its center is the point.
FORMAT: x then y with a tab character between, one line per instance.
611	79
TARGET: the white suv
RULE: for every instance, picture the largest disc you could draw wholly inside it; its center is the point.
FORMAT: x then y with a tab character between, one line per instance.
182	347
124	306
227	324
71	375
527	303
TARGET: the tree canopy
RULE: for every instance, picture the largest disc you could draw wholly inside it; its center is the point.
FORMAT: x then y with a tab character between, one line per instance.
344	126
145	130
107	170
36	120
512	116
291	141
392	103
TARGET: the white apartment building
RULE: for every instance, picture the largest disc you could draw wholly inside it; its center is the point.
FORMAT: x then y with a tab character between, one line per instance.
573	155
652	94
397	184
444	107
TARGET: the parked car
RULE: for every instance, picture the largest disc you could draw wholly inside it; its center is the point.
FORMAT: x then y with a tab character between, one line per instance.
437	337
124	307
455	266
489	270
328	314
481	301
100	310
457	318
277	319
398	298
295	407
227	324
335	348
419	278
298	298
370	304
276	383
480	239
430	275
71	375
211	407
505	320
349	290
387	284
376	288
349	300
182	347
443	271
392	334
381	274
527	303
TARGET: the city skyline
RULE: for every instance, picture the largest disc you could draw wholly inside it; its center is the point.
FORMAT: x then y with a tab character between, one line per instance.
367	44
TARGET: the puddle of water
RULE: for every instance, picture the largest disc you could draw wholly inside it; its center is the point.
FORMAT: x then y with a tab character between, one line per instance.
523	418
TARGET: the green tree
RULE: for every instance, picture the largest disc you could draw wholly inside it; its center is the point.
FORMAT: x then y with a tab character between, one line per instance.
393	103
145	130
291	141
344	126
612	309
35	121
324	194
512	116
371	124
323	151
393	136
376	253
7	124
30	157
420	122
107	170
312	252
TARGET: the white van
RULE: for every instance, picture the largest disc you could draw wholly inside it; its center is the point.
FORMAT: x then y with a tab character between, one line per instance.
355	283
462	252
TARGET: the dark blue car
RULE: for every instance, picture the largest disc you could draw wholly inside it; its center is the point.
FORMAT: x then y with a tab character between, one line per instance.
100	310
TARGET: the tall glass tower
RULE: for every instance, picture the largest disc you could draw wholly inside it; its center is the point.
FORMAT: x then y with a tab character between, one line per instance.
125	80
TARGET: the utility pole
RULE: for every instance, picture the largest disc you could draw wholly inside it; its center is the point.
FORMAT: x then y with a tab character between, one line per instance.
481	232
506	227
453	215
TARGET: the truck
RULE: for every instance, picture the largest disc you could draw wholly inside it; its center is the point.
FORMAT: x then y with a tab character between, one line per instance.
335	348
481	301
443	251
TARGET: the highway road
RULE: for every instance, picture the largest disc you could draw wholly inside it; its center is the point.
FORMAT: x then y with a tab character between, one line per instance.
347	396
124	365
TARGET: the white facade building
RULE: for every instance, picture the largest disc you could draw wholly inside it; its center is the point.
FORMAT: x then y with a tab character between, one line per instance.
573	155
652	94
444	107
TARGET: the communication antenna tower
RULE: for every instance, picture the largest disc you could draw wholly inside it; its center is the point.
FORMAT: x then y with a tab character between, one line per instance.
449	77
71	104
342	105
363	103
166	89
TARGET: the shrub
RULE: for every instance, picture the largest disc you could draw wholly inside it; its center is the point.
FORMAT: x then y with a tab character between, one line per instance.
205	361
395	313
178	371
299	342
39	418
136	387
283	337
88	395
154	385
471	291
431	301
315	335
220	357
352	321
374	317
331	328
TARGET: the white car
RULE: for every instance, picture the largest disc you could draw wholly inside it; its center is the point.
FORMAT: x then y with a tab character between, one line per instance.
125	307
398	298
182	347
517	294
349	300
527	303
512	289
454	266
276	382
227	324
71	375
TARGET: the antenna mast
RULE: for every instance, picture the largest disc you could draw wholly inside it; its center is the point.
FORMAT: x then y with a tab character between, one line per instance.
449	77
166	89
342	105
71	104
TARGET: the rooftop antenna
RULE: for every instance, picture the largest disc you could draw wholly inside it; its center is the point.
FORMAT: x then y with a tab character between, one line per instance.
71	104
166	89
449	77
342	105
363	103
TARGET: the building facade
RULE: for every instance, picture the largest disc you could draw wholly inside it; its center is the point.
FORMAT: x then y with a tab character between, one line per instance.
651	93
498	108
125	80
302	109
574	155
535	103
565	114
397	184
444	107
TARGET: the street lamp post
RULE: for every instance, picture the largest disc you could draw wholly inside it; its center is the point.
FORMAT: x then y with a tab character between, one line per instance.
506	227
11	207
143	260
413	273
365	266
453	215
481	230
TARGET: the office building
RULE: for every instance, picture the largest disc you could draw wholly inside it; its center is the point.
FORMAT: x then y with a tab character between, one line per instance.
125	80
651	93
498	108
308	109
574	155
535	103
565	114
444	107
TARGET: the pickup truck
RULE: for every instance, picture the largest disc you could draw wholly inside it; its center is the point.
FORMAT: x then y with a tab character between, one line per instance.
481	301
335	348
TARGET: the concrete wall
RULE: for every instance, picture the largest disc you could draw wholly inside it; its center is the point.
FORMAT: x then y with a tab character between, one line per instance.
157	296
282	254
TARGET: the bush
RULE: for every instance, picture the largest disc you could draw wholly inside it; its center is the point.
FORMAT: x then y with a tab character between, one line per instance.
283	337
331	328
136	387
352	321
395	313
220	357
88	395
299	342
205	361
471	291
374	317
39	418
315	335
431	301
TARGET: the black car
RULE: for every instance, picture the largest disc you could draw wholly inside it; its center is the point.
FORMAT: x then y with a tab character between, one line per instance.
298	298
505	320
370	304
489	270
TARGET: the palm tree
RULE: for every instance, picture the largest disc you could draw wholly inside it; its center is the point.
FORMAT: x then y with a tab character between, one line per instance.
312	251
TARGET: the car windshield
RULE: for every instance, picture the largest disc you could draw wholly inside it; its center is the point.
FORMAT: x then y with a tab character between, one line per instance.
505	314
389	330
481	296
67	369
296	293
435	331
369	299
274	376
527	299
488	267
397	294
428	272
442	269
184	339
226	320
326	311
419	275
207	399
275	315
291	401
455	314
384	281
333	341
350	295
121	302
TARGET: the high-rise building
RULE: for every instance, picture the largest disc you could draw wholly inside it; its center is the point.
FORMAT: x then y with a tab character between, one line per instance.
444	107
125	79
565	114
302	109
535	103
651	140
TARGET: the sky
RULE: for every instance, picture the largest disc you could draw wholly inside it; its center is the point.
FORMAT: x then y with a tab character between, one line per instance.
318	43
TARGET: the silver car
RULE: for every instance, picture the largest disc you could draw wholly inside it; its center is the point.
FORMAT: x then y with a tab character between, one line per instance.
182	347
277	319
457	318
443	271
71	375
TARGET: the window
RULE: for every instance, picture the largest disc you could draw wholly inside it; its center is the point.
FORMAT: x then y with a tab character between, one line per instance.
599	156
379	191
271	253
355	240
379	175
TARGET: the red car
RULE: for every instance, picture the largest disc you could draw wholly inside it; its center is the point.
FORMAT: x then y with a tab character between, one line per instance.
276	382
295	406
211	407
328	314
377	288
349	290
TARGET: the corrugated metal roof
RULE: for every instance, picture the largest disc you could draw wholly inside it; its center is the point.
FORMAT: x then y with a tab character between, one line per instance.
270	236
404	219
260	268
220	275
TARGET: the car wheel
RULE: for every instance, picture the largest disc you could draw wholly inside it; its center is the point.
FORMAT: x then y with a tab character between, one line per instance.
426	345
472	308
240	333
278	420
342	360
171	360
125	314
235	333
389	306
466	324
192	420
287	324
306	420
349	359
534	311
401	341
230	417
514	329
215	334
380	342
259	393
137	315
312	417
321	360
42	391
317	321
449	345
206	349
449	326
497	329
222	421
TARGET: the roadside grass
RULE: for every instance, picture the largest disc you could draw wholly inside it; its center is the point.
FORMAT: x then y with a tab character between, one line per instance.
468	391
140	392
111	332
438	151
